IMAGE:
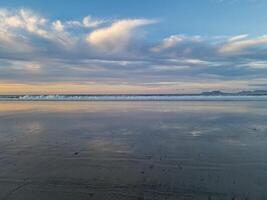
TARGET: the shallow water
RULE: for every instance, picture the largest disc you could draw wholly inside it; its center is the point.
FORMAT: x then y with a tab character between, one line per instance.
133	150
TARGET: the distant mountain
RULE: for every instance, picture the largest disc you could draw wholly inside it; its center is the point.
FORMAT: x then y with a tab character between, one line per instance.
255	92
241	93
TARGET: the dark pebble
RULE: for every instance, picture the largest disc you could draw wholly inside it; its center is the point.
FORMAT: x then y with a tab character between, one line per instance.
151	166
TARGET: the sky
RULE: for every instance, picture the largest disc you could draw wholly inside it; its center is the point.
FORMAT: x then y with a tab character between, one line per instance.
123	46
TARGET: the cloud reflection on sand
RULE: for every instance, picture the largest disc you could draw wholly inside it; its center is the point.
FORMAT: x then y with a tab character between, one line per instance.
32	127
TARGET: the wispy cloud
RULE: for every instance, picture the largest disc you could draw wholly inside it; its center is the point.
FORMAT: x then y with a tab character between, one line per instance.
86	22
116	37
173	41
239	44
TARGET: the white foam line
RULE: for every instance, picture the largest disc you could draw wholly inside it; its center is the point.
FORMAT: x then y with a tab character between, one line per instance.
133	98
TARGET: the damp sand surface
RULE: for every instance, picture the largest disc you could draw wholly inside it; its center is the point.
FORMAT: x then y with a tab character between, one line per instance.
133	150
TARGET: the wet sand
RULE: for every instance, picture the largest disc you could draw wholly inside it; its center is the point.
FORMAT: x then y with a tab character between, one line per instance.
133	150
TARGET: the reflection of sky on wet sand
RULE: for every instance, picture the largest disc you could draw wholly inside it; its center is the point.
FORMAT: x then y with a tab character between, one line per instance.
34	127
203	149
123	106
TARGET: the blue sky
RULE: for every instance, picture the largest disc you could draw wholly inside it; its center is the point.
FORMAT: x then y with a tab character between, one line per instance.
207	17
120	46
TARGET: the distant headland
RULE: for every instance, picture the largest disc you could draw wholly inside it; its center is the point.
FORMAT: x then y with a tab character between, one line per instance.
241	93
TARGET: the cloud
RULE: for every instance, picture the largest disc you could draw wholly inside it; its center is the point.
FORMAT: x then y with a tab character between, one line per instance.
58	26
86	22
23	19
168	43
172	41
238	37
255	64
35	49
24	29
116	37
30	67
12	43
240	44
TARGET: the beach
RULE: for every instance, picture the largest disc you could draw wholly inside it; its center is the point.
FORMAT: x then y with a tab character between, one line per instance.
133	150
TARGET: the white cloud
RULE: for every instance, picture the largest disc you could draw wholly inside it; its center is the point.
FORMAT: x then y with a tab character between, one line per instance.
238	46
168	43
172	41
21	24
196	62
17	44
88	22
58	26
189	61
255	64
26	66
23	19
238	37
34	67
33	23
169	67
73	24
116	37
